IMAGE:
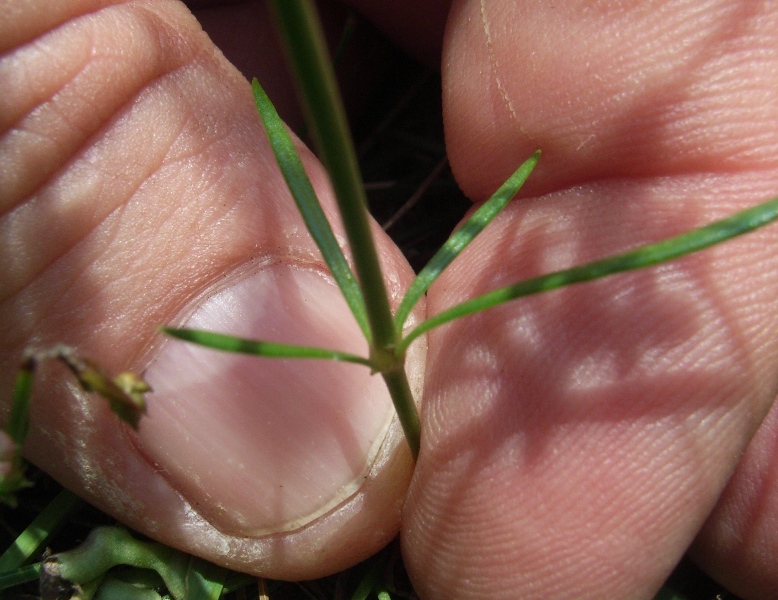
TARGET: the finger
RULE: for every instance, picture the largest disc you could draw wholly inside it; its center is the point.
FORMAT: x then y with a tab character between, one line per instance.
738	545
638	90
139	190
575	442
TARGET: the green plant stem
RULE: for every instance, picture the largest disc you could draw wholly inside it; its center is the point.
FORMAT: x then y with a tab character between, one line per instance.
645	256
19	421
400	390
12	480
309	58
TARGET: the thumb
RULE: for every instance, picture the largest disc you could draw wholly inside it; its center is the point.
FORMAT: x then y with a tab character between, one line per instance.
140	191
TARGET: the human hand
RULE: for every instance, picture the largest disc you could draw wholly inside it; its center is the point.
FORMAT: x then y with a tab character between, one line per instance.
574	442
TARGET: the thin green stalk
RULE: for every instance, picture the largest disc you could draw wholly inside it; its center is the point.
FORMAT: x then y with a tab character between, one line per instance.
372	578
19	421
305	44
461	238
667	593
400	390
12	480
19	576
33	539
228	343
646	256
309	58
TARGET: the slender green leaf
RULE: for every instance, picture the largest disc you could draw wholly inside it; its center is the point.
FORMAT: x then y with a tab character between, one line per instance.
32	541
669	594
460	239
236	581
366	586
306	48
124	394
19	576
646	256
304	42
228	343
19	421
309	206
112	588
12	479
204	580
373	575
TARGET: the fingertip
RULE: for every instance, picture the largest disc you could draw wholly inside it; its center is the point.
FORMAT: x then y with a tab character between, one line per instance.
738	545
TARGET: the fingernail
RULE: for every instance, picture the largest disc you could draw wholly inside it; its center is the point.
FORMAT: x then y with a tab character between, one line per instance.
259	445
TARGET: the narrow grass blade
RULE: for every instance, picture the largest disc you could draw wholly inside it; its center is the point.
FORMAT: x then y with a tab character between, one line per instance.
228	343
668	594
19	421
32	541
12	479
112	588
309	207
366	586
460	239
204	580
19	576
372	579
646	256
306	47
236	581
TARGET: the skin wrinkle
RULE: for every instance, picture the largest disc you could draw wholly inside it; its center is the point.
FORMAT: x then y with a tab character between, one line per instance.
52	104
64	249
496	70
142	89
52	20
143	23
662	89
79	271
12	79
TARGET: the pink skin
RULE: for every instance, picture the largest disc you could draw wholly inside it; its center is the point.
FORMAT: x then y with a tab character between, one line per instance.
574	444
134	149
